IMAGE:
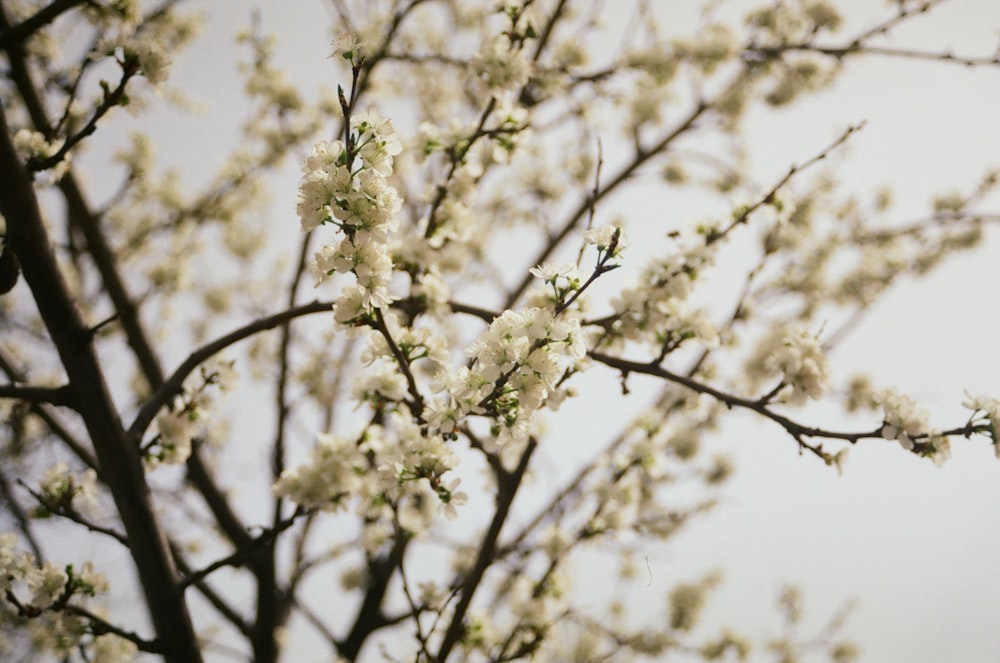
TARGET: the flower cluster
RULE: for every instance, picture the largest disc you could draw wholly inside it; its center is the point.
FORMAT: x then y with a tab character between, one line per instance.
148	50
714	45
985	411
524	623
42	593
361	203
179	424
62	489
177	427
500	66
518	363
793	22
154	61
511	130
656	310
415	462
394	466
802	363
334	472
788	23
563	279
609	239
687	601
348	46
32	145
906	423
412	343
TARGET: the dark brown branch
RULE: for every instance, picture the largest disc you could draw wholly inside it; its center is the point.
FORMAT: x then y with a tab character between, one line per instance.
16	34
860	46
81	217
273	606
200	476
934	222
543	38
314	620
795	429
457	155
507	486
174	384
374	59
483	314
112	98
66	510
840	52
416	406
20	514
243	555
52	395
54	425
370	617
216	601
107	265
100	626
284	350
117	452
424	58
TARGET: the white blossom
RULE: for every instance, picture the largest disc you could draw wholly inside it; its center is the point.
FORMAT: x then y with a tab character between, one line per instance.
60	486
989	409
12	563
906	423
802	362
33	145
362	204
347	45
382	382
552	272
500	67
329	479
377	141
46	584
177	428
450	499
607	236
110	648
154	60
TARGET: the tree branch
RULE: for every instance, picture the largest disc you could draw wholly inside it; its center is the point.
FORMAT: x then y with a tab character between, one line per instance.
55	426
117	452
370	617
795	429
840	52
62	396
175	383
14	35
66	510
244	554
506	490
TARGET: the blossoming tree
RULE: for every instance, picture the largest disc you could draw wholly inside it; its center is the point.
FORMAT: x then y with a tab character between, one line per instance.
463	210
